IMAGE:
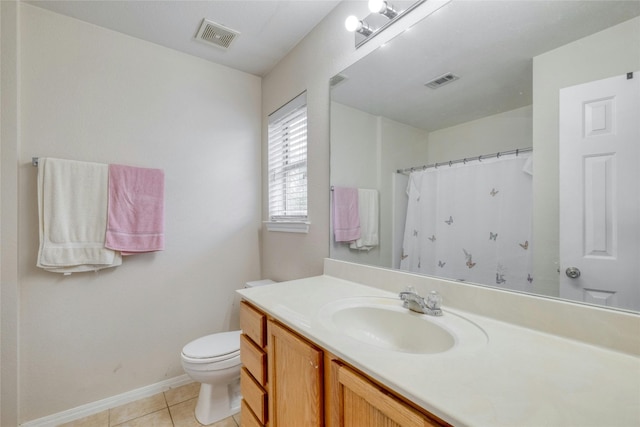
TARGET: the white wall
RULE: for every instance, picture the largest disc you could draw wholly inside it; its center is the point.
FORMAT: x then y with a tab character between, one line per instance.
9	287
91	94
327	50
598	56
491	134
356	147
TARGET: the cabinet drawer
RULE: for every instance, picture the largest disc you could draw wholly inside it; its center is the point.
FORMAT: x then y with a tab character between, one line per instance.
248	419
254	359
253	323
254	395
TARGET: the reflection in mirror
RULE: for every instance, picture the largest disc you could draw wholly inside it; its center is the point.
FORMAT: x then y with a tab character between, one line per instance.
560	77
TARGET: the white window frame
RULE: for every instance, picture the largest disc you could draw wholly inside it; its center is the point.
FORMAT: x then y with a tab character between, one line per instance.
287	167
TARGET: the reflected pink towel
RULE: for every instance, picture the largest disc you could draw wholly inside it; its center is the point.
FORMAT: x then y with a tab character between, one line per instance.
135	219
346	219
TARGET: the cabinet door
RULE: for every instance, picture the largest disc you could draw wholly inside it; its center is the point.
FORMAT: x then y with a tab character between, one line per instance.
362	403
295	379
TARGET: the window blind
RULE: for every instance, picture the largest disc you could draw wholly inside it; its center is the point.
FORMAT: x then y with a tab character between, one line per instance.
287	164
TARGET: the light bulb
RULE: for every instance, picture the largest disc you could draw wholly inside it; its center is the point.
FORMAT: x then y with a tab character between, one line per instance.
377	6
352	23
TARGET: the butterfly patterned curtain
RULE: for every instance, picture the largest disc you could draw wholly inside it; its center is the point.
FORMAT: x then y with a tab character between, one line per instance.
472	222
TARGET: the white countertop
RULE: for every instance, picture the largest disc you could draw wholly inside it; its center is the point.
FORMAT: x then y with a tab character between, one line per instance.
521	377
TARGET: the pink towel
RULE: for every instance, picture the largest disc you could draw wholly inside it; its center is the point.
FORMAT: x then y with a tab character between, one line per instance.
135	218
346	219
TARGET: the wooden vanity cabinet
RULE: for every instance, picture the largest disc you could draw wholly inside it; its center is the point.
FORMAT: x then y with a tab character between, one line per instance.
288	381
295	379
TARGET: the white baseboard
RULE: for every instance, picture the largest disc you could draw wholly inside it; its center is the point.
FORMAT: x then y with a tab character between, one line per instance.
108	403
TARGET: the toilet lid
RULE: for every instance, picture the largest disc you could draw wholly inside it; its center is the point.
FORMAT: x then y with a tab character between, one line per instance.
213	346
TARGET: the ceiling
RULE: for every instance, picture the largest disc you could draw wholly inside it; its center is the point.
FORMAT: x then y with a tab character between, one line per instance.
268	29
490	45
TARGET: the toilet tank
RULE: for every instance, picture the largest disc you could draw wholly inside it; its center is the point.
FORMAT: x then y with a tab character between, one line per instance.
256	283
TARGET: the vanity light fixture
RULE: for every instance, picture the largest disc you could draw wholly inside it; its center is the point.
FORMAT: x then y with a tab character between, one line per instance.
383	8
352	24
382	15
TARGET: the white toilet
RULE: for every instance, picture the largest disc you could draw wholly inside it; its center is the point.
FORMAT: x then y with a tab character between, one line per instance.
214	361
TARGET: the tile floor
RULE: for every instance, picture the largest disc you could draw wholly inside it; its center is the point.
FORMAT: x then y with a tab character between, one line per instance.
173	408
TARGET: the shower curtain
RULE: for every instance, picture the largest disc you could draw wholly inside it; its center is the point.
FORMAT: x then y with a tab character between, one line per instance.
472	222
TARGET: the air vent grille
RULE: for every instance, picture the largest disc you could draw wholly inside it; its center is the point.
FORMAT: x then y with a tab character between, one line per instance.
441	80
337	79
216	34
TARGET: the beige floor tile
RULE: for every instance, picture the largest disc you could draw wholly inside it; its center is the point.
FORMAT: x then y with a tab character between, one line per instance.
137	409
182	394
236	418
160	418
227	422
183	414
100	419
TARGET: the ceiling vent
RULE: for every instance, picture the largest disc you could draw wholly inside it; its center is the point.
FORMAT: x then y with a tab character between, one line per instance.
441	81
216	34
337	79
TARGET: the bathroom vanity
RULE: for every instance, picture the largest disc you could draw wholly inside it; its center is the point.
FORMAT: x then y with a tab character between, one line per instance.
314	355
308	385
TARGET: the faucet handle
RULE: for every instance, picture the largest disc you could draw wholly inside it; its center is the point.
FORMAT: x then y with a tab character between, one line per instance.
434	300
409	290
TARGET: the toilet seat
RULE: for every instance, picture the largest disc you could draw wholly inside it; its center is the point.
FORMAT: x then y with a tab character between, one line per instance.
213	348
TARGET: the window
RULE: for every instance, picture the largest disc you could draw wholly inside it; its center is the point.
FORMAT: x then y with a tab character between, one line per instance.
288	167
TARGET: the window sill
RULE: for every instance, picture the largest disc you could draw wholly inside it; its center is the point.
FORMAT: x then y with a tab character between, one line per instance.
288	227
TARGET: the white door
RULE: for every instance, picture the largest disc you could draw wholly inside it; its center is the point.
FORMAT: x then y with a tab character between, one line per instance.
600	192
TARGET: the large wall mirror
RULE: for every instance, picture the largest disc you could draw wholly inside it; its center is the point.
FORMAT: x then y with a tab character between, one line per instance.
553	87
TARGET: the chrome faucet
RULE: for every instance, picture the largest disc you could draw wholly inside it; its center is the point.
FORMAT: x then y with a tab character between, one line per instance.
415	302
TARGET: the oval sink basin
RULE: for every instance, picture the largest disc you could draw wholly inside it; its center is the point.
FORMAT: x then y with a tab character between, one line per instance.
384	323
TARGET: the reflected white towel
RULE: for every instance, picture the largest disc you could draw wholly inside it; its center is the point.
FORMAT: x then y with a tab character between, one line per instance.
368	213
72	206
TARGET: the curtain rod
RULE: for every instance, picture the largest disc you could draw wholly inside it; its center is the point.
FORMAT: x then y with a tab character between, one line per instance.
466	159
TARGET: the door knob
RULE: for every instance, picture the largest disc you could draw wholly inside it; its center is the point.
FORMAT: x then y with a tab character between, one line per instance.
573	272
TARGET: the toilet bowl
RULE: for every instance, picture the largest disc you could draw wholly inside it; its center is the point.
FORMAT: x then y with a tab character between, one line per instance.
214	361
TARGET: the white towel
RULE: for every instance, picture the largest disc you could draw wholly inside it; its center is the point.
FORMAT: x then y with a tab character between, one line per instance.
72	206
368	212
